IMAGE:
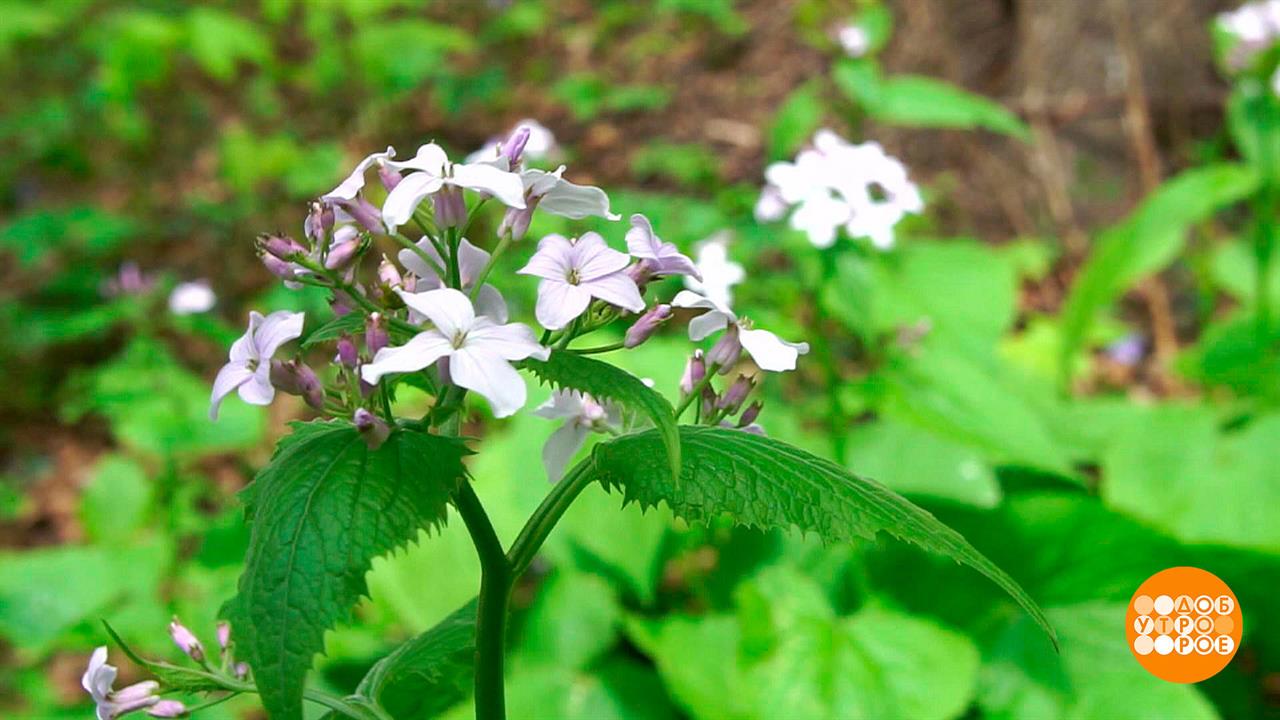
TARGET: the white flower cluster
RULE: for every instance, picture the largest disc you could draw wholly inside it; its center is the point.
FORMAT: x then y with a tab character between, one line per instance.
1255	25
834	184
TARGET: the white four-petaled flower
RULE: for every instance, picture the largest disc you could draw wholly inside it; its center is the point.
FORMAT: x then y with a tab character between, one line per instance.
582	414
479	350
248	371
573	272
552	193
541	143
97	681
351	186
663	257
767	350
717	274
433	170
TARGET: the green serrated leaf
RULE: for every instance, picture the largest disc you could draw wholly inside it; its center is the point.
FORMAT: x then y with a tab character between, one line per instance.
604	381
349	324
319	513
767	484
429	673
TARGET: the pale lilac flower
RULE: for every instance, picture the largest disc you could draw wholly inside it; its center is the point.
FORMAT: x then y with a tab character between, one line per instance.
249	369
1128	350
660	258
479	350
433	171
573	272
472	261
349	188
855	41
582	414
97	681
190	298
224	634
718	274
540	144
129	280
1255	25
551	192
767	350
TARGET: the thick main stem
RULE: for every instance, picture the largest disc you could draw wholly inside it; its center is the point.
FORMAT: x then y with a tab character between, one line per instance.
491	613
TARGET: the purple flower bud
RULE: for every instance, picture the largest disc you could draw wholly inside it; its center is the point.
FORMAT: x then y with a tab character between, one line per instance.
348	355
389	274
390	178
292	377
750	414
341	255
709	400
224	634
442	367
280	246
186	641
694	371
725	353
641	273
375	333
374	430
450	207
365	213
737	394
516	220
647	324
319	221
341	304
513	148
241	670
168	709
139	694
279	268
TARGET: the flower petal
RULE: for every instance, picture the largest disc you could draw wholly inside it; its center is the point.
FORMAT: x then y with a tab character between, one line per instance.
448	309
690	299
244	348
277	329
421	351
506	186
771	352
562	404
593	258
398	208
707	323
560	448
576	201
513	341
430	158
430	279
471	261
559	303
99	676
489	375
641	242
230	377
258	390
616	289
489	304
552	261
354	182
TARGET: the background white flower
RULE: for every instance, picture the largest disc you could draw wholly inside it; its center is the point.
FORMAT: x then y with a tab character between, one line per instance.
582	415
540	145
193	297
717	274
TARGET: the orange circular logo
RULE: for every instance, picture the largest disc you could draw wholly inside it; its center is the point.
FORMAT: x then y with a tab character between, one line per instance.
1184	624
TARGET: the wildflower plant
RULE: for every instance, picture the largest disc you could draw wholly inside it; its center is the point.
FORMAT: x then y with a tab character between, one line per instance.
365	478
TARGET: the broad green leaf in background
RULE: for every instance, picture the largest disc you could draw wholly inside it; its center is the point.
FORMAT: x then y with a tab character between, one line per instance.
219	40
1177	471
1147	240
910	460
798	117
398	55
1231	354
319	513
605	382
115	501
918	101
570	640
765	483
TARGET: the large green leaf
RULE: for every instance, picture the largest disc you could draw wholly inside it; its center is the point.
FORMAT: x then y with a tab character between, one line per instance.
319	513
765	483
429	673
606	382
1150	238
918	101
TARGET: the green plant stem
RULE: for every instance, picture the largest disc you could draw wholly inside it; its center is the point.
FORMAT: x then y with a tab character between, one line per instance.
601	349
544	519
696	392
503	243
423	255
491	613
